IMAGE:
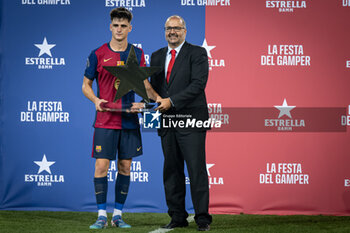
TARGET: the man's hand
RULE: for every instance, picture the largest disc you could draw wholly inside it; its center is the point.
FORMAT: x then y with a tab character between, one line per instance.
136	107
164	104
98	103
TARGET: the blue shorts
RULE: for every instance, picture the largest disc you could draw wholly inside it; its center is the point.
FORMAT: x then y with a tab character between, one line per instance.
108	142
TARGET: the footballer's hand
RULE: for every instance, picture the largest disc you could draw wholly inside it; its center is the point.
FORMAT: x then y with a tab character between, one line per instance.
99	105
164	104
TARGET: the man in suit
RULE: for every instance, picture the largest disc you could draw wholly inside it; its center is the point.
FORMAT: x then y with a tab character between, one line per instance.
181	85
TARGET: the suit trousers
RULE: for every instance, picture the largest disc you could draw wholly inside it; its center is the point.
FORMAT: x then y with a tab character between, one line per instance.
179	147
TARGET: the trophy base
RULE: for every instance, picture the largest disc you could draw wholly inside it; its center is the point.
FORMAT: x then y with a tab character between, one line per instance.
114	107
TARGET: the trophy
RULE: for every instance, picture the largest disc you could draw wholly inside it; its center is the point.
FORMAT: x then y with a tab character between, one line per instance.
130	77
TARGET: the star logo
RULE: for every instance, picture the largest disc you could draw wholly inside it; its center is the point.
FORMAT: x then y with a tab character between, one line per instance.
209	166
156	115
207	47
44	165
285	109
45	48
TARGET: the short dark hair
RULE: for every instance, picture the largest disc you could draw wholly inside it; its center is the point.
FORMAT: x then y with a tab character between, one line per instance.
121	13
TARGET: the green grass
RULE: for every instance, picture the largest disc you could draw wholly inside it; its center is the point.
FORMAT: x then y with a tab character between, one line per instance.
70	222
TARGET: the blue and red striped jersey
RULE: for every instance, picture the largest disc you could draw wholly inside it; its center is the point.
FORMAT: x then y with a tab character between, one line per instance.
105	56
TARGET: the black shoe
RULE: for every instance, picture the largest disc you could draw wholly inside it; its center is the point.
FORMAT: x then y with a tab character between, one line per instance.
172	225
203	227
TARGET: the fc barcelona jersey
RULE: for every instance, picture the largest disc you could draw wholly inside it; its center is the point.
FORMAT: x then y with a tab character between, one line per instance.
105	56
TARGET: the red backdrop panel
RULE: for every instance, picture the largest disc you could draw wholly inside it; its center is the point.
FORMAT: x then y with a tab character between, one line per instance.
282	172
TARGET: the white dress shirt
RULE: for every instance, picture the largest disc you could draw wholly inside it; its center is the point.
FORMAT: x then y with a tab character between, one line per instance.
168	56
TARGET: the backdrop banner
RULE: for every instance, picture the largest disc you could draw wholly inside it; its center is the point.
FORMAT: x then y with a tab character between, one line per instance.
278	97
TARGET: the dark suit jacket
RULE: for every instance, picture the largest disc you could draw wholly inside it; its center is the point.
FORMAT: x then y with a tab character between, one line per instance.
186	83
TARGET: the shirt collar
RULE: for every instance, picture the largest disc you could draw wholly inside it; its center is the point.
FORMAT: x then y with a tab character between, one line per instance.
177	49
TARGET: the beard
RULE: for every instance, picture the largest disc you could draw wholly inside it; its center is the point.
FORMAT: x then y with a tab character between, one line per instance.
173	39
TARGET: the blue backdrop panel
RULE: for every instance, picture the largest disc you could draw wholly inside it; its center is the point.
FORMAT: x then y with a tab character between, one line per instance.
46	122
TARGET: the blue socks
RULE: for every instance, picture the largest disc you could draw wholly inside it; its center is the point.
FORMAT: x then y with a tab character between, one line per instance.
101	186
121	191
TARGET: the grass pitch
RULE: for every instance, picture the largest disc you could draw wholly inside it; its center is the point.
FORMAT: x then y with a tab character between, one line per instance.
71	222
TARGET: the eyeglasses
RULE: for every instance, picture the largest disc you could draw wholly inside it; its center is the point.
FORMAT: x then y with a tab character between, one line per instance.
176	29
